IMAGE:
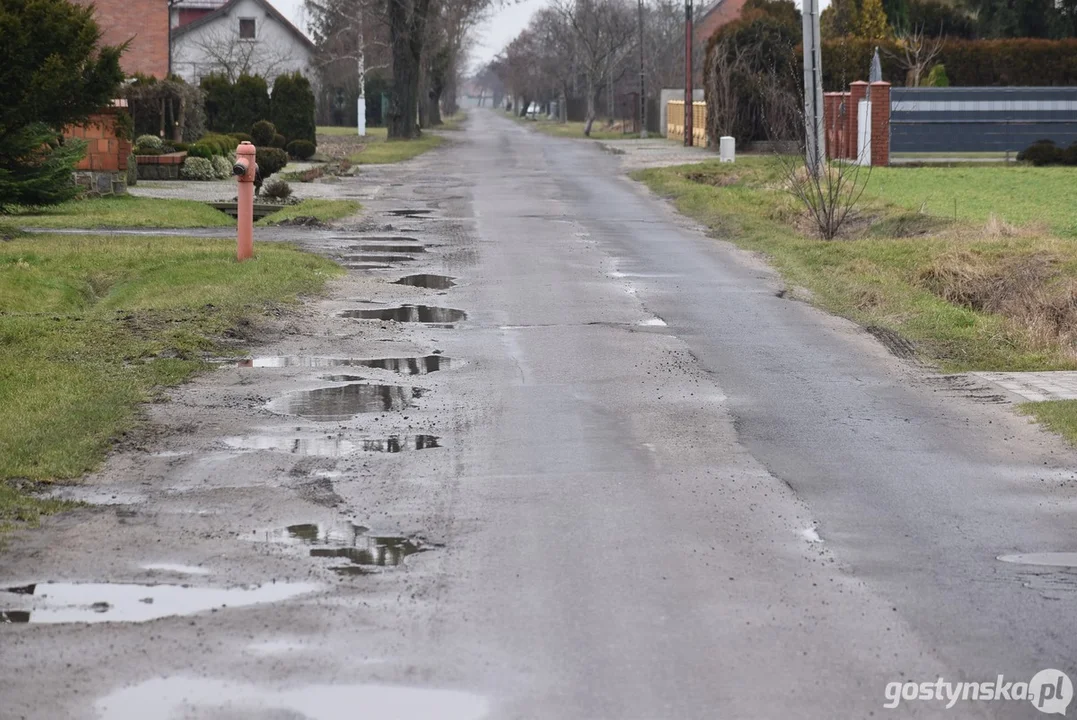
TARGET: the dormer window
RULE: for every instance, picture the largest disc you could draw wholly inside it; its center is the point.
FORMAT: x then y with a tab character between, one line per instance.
246	28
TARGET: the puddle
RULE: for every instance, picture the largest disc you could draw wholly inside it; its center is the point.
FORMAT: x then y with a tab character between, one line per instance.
283	361
409	366
387	248
410	313
366	266
395	443
320	447
424	280
118	602
406	213
176	568
384	239
343	378
346	541
175	697
376	258
653	322
344	402
1045	559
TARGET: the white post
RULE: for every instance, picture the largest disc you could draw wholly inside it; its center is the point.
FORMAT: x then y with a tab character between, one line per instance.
863	133
361	68
815	142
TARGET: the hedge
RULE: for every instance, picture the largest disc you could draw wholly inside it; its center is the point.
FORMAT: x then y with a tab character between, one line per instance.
969	63
234	107
293	107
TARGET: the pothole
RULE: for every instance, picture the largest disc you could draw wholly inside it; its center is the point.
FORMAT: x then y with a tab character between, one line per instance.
186	696
397	443
344	402
346	541
51	603
408	365
387	248
410	213
366	266
384	239
419	365
426	280
1045	559
410	314
317	446
377	258
285	361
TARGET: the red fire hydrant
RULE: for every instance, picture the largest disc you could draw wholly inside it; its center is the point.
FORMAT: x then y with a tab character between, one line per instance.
245	170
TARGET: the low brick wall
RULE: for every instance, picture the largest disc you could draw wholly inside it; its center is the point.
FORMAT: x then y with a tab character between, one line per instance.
160	167
103	170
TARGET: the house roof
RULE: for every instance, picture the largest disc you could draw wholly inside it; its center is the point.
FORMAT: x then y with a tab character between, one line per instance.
225	9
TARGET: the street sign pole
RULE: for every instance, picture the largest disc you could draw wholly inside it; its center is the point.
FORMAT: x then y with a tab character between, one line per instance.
642	82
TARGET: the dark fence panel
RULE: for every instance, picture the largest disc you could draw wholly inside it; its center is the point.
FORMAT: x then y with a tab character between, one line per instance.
980	119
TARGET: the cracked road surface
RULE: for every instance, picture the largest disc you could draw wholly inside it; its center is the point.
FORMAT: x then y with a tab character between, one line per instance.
637	484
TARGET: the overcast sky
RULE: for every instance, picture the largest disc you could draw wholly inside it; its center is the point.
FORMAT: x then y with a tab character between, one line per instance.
493	35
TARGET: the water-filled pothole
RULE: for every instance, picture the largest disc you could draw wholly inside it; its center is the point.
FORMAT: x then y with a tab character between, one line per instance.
366	259
344	402
426	280
409	366
347	541
388	248
410	314
319	446
283	361
397	443
385	239
410	213
119	602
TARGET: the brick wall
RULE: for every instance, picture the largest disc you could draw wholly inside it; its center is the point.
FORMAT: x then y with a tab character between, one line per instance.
725	12
145	24
880	123
103	170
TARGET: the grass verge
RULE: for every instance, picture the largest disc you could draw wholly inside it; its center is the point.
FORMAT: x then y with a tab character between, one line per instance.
1058	416
323	210
91	326
123	211
971	295
379	150
599	130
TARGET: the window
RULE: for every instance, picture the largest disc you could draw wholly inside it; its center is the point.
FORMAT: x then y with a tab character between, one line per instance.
246	28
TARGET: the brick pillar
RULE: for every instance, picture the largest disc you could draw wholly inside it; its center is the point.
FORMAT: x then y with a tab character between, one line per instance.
857	92
831	118
880	123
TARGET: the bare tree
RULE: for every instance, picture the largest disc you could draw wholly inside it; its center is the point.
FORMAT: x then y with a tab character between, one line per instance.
603	31
219	49
723	95
918	53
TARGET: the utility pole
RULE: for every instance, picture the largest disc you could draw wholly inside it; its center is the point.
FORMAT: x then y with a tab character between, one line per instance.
688	73
642	83
815	144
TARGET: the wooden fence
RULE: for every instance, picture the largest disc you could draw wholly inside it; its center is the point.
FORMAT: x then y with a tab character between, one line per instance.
675	121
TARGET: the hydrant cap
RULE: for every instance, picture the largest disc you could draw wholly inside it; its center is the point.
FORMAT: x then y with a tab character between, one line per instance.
245	148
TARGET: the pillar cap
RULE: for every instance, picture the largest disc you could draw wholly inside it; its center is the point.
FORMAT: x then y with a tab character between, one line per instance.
859	82
880	83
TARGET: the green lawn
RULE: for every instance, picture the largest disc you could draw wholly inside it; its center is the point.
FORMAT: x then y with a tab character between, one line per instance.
898	267
91	326
333	130
380	150
453	122
324	210
123	211
1019	194
574	129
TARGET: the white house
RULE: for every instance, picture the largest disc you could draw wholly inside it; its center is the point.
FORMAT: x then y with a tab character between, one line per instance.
236	37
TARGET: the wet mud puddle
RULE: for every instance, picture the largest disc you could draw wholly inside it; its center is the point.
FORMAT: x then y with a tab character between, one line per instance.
52	603
345	541
345	401
426	280
405	365
331	446
388	248
426	314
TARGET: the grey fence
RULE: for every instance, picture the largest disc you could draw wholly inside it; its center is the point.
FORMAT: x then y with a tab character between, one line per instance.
980	119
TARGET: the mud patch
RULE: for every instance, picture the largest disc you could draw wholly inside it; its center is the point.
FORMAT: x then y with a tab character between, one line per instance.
895	343
410	314
383	239
53	603
426	280
410	213
344	402
397	443
317	446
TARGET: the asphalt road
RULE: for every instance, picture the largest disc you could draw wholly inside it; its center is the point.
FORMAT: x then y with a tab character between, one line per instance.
662	490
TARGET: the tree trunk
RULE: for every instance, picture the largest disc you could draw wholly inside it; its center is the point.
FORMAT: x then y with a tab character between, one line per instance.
590	119
407	19
433	115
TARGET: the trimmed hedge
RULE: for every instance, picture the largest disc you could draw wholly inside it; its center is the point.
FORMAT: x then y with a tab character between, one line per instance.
1045	152
222	166
234	107
197	168
293	107
969	63
262	133
270	160
301	149
279	141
